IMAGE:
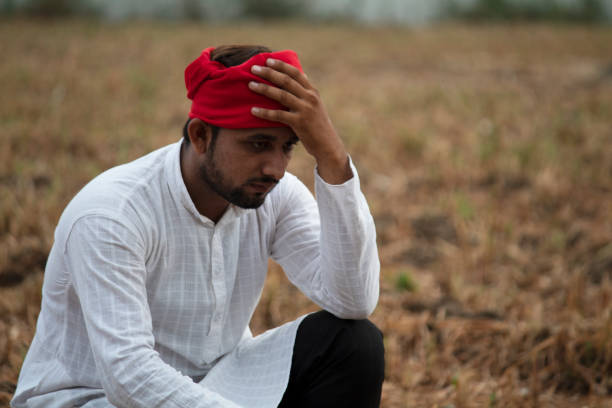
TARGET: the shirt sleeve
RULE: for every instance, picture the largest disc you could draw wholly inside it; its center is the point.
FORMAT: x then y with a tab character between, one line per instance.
106	259
328	248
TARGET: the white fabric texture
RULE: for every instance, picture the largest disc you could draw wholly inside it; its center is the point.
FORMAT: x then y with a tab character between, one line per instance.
146	303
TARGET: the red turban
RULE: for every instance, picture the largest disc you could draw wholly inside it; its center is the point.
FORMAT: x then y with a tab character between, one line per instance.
220	95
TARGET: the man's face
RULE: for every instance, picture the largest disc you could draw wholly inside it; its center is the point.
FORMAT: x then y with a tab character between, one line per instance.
243	165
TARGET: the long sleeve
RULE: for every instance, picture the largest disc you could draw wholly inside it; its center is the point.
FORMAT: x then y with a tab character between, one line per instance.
106	259
328	247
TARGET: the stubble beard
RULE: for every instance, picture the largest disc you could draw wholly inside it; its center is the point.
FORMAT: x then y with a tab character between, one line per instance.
212	175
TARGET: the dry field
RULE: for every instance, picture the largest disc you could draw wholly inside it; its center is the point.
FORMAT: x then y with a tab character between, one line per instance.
485	153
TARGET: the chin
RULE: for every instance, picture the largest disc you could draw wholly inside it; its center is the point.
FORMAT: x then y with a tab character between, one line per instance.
249	202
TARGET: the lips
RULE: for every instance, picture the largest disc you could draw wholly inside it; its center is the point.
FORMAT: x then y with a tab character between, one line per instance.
261	187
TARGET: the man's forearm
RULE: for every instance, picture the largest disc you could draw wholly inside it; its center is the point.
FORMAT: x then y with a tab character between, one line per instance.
349	257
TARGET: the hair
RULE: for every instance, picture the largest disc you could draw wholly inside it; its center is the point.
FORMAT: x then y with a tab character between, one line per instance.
230	56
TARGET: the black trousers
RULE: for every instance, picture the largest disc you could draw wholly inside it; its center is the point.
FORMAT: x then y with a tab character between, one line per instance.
336	363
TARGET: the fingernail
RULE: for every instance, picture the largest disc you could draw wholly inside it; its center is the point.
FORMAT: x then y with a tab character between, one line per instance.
256	68
255	110
271	61
253	84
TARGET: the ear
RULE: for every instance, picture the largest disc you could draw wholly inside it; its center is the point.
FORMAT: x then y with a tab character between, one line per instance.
200	135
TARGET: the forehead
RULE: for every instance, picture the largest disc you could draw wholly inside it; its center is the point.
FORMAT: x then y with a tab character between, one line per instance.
280	134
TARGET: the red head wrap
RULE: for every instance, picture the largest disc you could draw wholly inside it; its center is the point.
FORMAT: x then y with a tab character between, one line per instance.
220	95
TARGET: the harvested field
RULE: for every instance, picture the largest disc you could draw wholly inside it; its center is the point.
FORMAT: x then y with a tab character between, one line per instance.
485	153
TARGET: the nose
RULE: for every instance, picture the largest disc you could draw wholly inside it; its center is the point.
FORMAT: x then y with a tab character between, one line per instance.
275	164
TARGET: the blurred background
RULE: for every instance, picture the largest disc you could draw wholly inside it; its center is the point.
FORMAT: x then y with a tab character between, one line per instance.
482	131
363	11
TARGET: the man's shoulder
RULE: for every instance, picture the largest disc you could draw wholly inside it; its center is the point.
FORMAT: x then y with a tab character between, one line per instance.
290	195
289	179
287	187
121	190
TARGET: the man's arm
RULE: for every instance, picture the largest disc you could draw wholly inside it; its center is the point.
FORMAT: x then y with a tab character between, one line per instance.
328	248
106	262
306	116
330	254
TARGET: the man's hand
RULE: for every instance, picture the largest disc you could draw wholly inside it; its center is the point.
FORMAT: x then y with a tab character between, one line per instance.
306	116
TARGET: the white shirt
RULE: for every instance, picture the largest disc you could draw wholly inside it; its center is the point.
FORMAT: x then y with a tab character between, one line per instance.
146	303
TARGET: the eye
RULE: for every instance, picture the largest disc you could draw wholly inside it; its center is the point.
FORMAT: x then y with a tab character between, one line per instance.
258	146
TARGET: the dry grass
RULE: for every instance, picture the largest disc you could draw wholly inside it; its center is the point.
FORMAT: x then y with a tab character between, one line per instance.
485	153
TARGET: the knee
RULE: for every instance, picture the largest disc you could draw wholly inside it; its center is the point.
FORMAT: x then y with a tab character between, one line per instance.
366	342
362	341
338	362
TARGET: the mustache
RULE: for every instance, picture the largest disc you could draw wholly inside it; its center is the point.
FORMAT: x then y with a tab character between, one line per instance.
265	180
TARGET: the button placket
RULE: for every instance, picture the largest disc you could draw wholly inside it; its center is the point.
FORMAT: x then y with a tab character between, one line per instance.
218	283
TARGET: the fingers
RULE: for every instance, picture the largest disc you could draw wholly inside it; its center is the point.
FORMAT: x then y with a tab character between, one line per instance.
284	76
281	96
290	70
288	118
290	88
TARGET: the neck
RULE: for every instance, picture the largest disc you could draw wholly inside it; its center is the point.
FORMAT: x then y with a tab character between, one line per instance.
207	202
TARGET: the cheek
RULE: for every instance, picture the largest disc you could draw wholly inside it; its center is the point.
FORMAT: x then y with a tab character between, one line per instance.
236	168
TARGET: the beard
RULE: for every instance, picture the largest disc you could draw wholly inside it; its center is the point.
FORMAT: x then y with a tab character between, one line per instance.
237	195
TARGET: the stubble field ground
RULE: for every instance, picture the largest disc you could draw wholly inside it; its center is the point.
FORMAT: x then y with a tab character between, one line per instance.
485	153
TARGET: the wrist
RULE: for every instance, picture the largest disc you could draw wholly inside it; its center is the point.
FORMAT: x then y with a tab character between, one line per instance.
335	169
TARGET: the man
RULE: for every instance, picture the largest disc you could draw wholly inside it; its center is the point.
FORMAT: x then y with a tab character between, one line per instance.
158	264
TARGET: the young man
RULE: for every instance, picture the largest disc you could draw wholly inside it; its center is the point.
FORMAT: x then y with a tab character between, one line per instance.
158	264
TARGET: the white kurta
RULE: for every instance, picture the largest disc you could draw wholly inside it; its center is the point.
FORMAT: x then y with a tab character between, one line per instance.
146	303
